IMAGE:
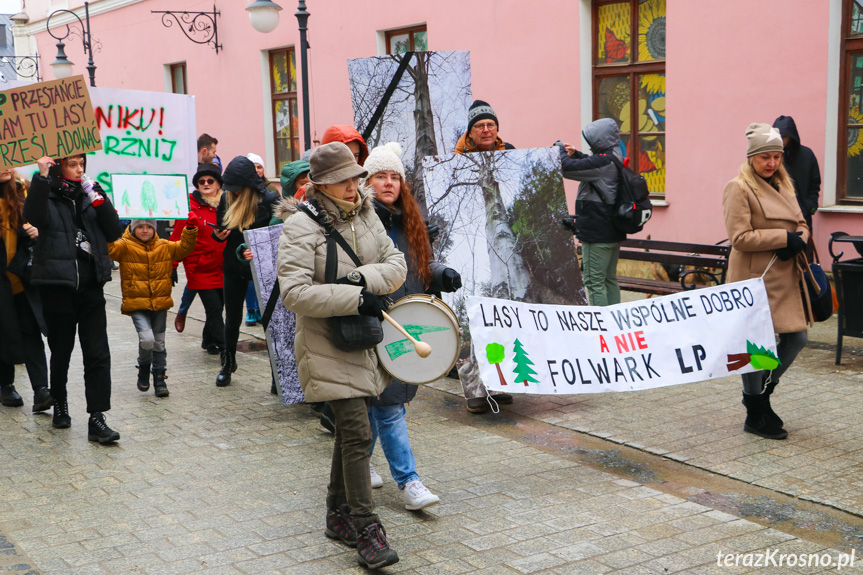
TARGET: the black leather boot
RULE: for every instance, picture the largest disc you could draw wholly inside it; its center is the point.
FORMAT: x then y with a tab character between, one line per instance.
9	397
42	399
758	420
61	419
159	385
98	430
229	366
143	377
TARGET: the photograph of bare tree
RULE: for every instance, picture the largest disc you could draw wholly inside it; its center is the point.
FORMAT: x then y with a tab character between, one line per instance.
419	99
499	215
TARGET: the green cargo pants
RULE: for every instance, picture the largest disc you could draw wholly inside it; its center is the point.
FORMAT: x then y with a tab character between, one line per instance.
600	272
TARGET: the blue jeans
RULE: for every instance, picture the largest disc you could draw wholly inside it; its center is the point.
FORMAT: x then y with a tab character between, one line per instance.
388	423
187	299
251	298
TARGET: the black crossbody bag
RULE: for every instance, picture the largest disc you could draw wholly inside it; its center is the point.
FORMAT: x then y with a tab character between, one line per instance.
349	332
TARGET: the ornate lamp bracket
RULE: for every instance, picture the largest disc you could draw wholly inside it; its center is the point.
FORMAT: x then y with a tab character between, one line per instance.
199	27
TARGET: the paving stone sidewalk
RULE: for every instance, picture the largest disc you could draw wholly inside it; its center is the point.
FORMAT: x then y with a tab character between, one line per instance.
229	481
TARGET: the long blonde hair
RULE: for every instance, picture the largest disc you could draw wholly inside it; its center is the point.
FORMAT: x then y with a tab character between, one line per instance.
241	209
780	178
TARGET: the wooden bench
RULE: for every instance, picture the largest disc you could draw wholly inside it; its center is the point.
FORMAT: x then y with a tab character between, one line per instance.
691	265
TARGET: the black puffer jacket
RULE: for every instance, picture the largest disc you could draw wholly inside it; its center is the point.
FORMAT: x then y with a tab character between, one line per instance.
54	214
802	166
232	263
597	192
397	392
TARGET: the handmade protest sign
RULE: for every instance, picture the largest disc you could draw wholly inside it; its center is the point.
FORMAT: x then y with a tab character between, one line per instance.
52	118
150	196
681	338
264	243
143	133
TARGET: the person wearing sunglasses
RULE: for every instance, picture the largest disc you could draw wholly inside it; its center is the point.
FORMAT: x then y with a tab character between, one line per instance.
481	134
204	265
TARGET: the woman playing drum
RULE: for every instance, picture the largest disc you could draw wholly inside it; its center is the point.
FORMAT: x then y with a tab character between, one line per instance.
401	216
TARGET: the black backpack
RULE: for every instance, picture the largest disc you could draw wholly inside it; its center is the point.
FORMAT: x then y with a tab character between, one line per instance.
633	208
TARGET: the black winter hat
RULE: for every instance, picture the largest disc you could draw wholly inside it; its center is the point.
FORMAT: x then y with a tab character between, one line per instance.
480	110
240	174
207	169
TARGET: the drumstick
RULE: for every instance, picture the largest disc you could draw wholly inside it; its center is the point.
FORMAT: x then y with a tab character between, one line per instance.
422	348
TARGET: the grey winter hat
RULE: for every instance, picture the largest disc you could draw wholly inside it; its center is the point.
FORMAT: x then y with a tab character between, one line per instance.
136	223
333	163
763	138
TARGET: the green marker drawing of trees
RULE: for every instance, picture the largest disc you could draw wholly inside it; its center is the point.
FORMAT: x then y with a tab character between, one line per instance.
148	197
495	354
522	369
124	201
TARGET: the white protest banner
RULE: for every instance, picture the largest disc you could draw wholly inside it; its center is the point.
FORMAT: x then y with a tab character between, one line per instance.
150	196
142	133
681	338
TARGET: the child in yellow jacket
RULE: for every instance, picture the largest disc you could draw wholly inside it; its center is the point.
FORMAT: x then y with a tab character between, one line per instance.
145	276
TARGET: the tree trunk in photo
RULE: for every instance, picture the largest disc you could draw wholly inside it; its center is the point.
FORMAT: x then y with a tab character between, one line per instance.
509	276
426	141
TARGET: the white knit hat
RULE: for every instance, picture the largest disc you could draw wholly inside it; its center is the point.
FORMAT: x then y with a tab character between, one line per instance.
255	158
386	157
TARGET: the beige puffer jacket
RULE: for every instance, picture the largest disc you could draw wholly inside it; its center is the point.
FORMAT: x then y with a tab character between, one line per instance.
328	373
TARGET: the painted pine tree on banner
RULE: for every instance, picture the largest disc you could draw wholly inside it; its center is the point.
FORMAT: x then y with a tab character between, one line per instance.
522	369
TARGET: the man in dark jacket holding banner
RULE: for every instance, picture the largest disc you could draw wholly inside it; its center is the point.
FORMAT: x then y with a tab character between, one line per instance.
594	208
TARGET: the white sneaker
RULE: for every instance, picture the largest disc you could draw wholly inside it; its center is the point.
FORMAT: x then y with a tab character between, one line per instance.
377	480
417	496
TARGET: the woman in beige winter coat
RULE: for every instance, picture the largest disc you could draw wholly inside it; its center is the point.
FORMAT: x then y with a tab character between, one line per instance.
763	220
345	379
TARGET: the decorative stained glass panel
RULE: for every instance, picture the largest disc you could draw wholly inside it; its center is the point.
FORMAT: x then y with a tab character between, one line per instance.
613	32
651	30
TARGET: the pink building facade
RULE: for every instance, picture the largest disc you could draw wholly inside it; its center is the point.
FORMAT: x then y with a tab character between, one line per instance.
724	64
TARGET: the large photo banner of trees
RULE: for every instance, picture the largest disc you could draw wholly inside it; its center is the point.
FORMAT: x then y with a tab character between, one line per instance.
426	111
499	214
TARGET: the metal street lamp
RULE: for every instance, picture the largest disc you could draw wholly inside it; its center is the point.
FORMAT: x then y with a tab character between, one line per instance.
264	16
303	18
62	67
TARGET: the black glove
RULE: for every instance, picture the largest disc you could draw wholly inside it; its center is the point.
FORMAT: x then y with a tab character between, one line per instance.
451	280
568	223
371	305
174	278
794	247
433	230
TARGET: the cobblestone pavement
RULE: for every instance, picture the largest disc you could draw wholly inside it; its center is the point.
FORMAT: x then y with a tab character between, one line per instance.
228	481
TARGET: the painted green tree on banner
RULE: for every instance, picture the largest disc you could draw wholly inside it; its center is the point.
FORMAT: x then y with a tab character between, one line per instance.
522	369
148	197
494	352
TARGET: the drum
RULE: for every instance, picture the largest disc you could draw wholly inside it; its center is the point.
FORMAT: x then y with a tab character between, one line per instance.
427	319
